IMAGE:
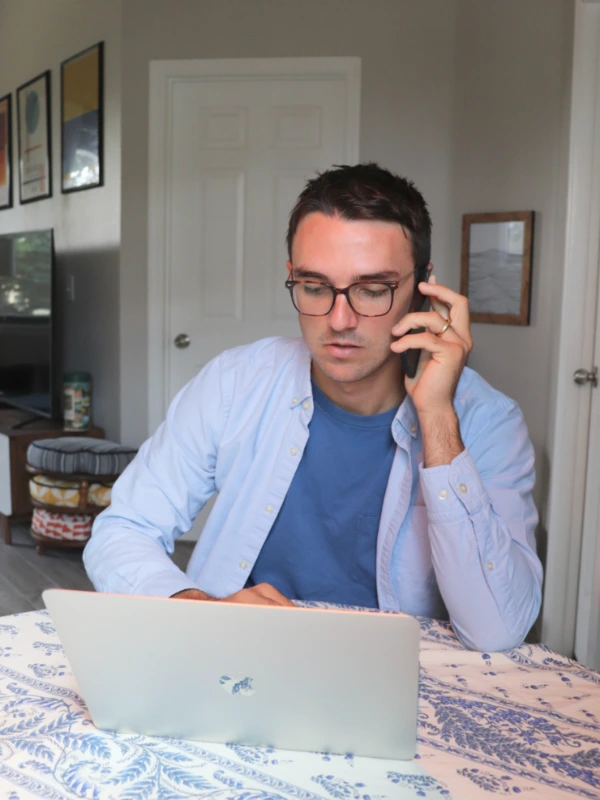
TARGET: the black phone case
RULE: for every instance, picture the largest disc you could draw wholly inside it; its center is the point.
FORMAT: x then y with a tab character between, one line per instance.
410	358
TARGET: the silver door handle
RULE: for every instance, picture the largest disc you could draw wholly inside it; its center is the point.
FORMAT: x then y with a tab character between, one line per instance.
182	340
582	376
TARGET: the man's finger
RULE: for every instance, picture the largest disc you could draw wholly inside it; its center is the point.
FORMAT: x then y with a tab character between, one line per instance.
262	594
441	308
434	322
436	345
272	594
442	293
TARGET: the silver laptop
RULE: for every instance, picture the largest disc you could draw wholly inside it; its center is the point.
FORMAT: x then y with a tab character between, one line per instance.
292	678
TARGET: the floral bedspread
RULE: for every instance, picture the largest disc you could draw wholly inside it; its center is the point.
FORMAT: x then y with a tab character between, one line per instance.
524	721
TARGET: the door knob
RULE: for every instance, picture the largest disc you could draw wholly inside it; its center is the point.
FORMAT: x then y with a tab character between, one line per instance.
582	376
182	340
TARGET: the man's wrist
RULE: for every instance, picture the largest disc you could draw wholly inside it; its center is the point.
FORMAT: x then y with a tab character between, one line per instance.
442	442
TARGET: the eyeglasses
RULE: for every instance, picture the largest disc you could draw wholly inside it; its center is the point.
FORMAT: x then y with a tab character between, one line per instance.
365	298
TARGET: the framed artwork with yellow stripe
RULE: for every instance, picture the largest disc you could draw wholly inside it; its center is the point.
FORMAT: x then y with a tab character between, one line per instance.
82	123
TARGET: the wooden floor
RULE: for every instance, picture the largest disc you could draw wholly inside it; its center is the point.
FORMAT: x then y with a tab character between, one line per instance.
24	574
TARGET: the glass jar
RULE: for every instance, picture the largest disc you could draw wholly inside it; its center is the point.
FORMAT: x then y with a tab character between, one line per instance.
77	395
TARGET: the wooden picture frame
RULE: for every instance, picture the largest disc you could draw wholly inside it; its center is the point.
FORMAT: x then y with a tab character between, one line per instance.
6	180
496	259
35	144
82	120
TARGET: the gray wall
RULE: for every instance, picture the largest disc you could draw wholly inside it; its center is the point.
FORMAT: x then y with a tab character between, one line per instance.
36	35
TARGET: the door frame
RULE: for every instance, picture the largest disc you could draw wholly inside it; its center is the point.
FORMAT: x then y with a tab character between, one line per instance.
163	76
575	345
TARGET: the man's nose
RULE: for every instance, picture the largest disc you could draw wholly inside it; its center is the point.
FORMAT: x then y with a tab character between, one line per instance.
342	316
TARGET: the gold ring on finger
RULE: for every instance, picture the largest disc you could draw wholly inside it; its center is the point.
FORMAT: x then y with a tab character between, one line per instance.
444	329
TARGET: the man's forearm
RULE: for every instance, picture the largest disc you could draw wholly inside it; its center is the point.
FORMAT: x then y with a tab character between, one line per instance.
441	438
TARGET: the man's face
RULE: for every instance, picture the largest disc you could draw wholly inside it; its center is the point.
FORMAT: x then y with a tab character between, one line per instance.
345	346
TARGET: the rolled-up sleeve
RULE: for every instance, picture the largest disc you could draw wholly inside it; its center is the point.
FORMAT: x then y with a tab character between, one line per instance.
481	525
159	495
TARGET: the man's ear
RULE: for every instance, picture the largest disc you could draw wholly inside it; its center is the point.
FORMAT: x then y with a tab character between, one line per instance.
288	264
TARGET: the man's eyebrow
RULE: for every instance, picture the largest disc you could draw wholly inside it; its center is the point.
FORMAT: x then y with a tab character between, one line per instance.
384	275
302	272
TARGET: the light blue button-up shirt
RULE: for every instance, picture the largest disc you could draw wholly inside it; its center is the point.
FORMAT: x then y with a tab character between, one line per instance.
455	540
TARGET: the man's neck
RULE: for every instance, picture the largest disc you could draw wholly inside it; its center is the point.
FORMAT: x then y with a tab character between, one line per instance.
375	394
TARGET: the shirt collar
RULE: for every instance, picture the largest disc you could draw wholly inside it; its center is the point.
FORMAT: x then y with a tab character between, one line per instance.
407	418
301	392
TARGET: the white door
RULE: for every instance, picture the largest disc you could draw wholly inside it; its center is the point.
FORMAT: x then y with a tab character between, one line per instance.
587	630
231	146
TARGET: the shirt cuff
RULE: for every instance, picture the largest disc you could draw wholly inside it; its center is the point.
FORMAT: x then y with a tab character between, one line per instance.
452	489
165	584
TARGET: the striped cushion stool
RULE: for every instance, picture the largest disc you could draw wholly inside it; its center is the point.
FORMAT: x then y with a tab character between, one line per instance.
70	484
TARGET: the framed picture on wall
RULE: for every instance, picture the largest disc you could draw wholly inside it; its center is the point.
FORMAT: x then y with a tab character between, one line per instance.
33	118
496	266
82	121
6	200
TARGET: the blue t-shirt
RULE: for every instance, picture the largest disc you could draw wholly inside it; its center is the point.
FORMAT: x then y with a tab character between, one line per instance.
323	543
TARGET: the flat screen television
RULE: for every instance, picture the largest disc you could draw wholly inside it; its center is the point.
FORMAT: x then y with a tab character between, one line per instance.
27	341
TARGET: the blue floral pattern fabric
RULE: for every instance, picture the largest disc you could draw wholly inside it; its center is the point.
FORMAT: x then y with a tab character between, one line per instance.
526	721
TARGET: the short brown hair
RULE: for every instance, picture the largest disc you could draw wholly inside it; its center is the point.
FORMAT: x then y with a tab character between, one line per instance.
367	191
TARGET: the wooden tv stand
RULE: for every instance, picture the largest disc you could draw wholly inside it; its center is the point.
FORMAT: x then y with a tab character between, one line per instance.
15	503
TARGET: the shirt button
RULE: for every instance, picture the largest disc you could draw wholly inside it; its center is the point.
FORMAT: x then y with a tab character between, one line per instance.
306	405
269	509
294	400
490	565
243	564
293	451
443	494
413	429
462	488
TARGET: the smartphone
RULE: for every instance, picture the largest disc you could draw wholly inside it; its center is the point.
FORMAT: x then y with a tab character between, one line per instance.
410	358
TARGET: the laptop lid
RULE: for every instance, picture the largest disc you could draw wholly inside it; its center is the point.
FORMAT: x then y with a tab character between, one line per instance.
293	678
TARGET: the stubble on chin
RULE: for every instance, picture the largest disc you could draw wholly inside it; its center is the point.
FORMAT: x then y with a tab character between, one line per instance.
350	373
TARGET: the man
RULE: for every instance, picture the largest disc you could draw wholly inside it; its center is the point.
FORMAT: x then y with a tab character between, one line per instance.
338	477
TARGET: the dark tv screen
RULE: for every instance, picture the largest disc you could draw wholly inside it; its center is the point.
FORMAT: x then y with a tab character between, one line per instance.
26	321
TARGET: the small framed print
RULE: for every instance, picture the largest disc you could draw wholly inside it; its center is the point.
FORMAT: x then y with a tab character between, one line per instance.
33	117
6	199
82	158
496	261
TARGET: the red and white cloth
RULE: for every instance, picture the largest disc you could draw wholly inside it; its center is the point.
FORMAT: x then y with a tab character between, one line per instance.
54	525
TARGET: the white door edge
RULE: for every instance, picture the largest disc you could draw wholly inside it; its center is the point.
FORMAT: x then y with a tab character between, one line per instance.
162	73
576	338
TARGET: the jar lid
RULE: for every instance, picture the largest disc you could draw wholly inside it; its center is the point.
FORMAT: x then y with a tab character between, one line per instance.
77	377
